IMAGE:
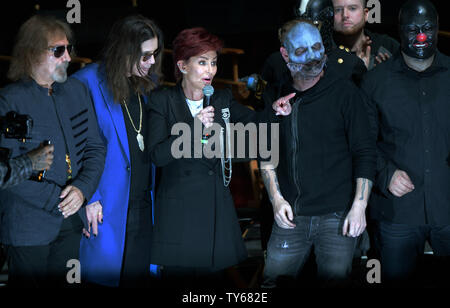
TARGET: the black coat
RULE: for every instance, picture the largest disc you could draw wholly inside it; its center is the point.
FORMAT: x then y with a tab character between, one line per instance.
195	222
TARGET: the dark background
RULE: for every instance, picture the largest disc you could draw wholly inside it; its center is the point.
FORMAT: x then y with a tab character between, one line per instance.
250	25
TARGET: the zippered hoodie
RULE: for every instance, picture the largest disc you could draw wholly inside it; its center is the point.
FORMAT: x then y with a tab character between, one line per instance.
325	144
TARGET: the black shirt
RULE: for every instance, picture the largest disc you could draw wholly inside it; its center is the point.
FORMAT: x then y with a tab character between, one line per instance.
410	116
325	144
140	162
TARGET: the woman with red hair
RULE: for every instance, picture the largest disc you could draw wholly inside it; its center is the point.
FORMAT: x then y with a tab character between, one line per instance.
196	231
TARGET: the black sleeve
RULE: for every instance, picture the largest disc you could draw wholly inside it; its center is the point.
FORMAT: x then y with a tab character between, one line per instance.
359	137
94	153
16	170
385	168
359	69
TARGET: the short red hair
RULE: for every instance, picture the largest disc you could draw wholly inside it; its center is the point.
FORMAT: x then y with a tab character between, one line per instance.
193	42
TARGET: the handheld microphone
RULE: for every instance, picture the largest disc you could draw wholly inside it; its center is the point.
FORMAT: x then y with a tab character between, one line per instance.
208	90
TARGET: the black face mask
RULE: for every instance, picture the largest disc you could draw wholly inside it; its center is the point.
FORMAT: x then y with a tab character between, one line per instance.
321	13
418	29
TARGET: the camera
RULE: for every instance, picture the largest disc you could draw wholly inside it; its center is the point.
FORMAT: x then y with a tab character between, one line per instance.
16	126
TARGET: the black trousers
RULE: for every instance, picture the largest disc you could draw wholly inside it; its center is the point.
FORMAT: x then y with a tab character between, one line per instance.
45	265
136	258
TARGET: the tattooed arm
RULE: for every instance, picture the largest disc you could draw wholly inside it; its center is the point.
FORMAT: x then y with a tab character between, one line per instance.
355	222
282	210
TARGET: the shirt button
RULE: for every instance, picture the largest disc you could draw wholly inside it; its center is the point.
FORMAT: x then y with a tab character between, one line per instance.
427	170
128	168
210	172
427	151
424	93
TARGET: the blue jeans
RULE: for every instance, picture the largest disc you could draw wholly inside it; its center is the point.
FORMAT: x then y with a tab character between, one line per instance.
288	249
401	245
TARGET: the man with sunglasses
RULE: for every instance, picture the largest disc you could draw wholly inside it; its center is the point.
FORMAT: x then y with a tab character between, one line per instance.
118	253
42	218
326	168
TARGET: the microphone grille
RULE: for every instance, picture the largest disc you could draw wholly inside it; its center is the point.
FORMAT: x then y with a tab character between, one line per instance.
208	90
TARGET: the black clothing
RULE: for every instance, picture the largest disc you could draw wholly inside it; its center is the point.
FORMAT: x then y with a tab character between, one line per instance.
136	256
140	160
66	118
402	248
324	145
380	43
45	265
15	170
195	222
409	113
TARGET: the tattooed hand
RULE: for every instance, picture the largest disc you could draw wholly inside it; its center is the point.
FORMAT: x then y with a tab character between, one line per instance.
42	157
282	210
355	222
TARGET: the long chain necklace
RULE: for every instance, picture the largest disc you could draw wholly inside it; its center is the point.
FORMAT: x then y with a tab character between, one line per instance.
139	137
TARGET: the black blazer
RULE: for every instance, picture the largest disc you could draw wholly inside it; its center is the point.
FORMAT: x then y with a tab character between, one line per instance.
195	223
30	214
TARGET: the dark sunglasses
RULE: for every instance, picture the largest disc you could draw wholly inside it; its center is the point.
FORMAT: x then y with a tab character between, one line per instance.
148	55
58	51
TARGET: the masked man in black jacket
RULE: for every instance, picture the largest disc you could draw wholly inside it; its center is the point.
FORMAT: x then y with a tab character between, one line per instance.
319	190
409	111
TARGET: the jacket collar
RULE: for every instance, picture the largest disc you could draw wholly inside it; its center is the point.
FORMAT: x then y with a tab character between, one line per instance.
180	107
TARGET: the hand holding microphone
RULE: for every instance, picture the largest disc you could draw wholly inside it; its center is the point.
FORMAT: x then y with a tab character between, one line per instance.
206	115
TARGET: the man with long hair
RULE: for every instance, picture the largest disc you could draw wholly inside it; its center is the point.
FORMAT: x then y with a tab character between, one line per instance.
119	252
42	218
